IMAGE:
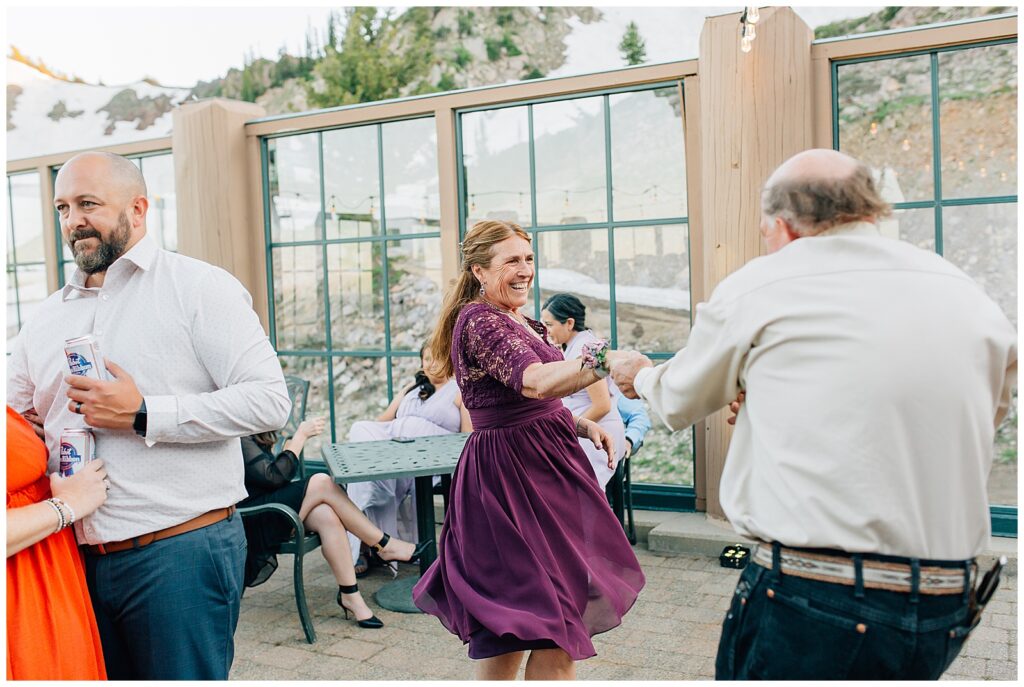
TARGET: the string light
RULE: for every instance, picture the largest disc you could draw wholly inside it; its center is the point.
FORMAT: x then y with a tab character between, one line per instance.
750	16
906	144
874	128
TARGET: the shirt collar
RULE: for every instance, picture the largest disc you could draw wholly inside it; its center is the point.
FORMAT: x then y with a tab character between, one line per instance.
852	229
142	255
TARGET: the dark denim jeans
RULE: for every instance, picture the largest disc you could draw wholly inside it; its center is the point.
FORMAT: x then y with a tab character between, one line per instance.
781	627
168	611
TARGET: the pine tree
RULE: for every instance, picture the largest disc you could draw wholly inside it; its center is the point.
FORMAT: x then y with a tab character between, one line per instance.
633	47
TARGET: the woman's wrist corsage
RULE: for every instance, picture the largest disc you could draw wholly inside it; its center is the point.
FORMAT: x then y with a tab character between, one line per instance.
593	356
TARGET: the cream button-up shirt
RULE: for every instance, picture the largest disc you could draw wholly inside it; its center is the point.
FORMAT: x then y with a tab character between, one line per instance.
187	334
875	373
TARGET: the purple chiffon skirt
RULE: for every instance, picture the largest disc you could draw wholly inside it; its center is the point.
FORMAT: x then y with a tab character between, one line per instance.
530	555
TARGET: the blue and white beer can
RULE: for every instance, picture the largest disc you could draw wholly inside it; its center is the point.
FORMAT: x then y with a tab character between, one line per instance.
84	357
77	447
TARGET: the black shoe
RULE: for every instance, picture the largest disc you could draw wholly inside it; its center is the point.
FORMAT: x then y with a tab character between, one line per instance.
417	553
371	623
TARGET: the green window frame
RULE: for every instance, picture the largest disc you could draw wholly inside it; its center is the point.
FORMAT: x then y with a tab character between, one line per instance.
650	496
329	353
13	264
1004	518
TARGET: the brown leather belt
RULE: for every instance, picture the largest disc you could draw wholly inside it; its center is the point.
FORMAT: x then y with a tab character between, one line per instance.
198	522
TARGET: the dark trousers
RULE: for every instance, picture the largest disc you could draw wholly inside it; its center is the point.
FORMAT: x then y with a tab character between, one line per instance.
168	611
781	627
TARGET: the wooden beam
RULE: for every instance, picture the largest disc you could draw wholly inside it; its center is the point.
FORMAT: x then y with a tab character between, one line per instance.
755	111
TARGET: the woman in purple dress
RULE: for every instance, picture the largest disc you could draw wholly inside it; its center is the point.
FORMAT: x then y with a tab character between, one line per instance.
530	557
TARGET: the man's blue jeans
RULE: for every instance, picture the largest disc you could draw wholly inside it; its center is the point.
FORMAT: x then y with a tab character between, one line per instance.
168	611
781	627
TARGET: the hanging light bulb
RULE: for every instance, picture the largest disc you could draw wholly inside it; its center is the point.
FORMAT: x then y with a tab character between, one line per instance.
906	144
745	44
749	31
472	202
874	128
753	15
983	173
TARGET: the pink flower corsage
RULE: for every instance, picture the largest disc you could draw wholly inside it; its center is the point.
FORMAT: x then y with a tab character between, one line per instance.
593	356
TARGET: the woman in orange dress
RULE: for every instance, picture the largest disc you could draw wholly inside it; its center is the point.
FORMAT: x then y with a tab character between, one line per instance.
51	629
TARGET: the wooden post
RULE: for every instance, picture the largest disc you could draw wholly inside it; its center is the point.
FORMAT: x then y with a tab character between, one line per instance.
444	119
212	177
755	111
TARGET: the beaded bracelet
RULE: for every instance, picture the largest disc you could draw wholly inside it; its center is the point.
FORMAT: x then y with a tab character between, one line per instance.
70	515
61	523
594	356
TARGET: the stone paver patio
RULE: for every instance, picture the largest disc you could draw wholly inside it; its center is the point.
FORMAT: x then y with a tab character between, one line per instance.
671	634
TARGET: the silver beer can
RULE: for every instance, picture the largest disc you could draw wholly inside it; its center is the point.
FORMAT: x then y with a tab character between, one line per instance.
84	357
77	447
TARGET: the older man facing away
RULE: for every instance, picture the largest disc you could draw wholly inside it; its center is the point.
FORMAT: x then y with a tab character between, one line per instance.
192	370
875	374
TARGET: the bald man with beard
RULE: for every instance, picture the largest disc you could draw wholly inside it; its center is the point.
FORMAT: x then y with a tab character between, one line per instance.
868	377
192	372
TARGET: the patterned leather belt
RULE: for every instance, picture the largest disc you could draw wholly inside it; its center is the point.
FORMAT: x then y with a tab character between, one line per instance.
205	520
840	569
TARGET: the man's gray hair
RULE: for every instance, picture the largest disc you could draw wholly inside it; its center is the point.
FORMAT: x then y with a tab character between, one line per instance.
812	205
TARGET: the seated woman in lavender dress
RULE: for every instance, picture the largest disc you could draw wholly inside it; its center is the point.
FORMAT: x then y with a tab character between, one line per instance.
564	316
430	406
530	556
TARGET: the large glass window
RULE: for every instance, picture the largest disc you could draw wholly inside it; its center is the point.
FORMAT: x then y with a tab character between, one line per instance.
161	219
939	128
355	262
600	183
26	264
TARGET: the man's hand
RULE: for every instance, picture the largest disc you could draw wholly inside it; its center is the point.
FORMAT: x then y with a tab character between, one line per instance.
623	366
32	417
106	405
734	407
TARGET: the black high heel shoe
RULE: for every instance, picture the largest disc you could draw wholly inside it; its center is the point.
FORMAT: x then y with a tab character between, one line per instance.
417	553
371	623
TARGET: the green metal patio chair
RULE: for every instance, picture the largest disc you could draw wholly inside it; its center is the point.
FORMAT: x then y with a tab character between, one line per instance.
620	495
302	542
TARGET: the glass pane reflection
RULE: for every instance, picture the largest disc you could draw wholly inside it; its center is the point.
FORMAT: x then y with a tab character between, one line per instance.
314	370
982	241
885	120
411	196
352	182
569	149
294	188
162	218
648	155
299	297
496	159
357	295
665	458
652	287
415	287
576	262
978	121
360	385
27	215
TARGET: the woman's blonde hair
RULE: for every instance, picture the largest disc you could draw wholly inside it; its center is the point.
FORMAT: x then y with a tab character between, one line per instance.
477	249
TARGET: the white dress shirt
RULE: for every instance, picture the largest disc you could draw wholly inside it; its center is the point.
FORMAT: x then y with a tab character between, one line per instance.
875	374
187	334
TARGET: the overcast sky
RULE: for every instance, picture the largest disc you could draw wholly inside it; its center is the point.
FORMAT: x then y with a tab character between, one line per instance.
180	45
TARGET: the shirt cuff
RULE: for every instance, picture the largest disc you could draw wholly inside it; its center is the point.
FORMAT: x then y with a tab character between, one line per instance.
638	381
161	418
635	436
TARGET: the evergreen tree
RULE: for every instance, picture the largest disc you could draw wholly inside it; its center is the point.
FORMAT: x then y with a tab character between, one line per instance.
633	47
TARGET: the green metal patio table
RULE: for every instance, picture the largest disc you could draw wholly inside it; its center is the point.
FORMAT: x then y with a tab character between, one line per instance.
420	458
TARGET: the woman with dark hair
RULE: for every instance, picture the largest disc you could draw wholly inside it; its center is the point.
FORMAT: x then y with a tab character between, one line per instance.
530	557
324	508
564	316
431	405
